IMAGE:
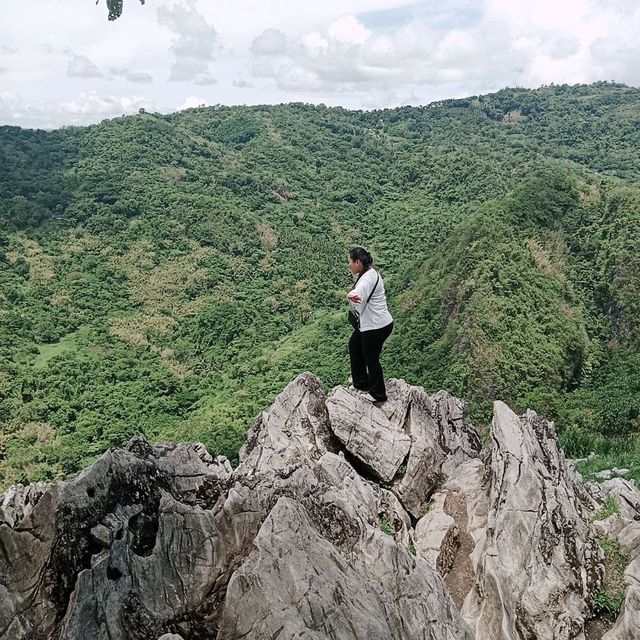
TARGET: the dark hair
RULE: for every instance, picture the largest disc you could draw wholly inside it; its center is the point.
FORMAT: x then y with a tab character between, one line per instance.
358	253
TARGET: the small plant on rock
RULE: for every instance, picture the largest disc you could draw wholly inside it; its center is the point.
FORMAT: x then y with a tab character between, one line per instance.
610	596
426	505
608	603
385	527
609	507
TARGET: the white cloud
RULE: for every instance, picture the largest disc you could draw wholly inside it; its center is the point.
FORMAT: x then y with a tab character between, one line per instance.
192	102
347	30
262	70
544	18
525	43
269	42
194	45
616	51
86	108
205	79
358	53
313	44
90	104
292	77
80	66
563	47
138	77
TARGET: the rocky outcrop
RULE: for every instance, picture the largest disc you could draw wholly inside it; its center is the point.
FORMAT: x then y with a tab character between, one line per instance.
343	520
360	585
540	562
624	526
368	434
413	440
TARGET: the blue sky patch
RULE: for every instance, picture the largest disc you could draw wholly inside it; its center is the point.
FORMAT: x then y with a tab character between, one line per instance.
455	14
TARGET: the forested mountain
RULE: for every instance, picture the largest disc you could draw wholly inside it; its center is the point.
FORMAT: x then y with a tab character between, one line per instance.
169	274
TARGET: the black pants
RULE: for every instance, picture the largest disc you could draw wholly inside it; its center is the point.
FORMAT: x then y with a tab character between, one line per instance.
364	350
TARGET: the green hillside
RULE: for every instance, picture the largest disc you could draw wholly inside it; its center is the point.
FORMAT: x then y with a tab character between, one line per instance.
169	274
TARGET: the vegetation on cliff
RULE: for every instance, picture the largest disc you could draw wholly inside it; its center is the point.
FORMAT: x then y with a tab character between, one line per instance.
169	274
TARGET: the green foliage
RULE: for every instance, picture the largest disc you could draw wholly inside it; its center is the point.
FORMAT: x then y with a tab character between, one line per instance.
170	274
20	213
426	506
385	527
543	200
609	603
610	597
609	507
485	437
490	321
623	455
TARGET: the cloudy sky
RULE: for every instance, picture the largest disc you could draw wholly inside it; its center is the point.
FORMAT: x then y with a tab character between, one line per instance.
63	63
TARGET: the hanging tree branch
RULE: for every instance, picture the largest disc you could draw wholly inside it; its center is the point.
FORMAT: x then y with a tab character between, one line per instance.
115	8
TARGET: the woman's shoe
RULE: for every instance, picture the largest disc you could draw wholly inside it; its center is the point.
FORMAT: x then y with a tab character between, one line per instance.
368	396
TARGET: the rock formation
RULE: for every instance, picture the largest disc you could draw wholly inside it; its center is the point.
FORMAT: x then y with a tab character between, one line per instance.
343	520
624	526
540	562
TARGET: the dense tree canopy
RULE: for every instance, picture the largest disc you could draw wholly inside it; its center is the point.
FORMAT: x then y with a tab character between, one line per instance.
169	274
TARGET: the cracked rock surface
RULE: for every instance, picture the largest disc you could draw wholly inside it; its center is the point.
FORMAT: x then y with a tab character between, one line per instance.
339	522
540	561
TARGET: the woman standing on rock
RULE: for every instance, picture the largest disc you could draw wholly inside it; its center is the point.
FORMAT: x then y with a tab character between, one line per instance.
372	325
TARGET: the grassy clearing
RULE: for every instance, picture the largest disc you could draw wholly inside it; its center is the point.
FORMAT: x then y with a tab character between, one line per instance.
48	351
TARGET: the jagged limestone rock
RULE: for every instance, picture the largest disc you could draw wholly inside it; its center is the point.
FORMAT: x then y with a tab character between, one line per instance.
407	439
30	560
146	540
367	433
627	625
18	502
540	562
471	481
314	534
442	438
457	436
361	585
119	548
436	535
293	429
